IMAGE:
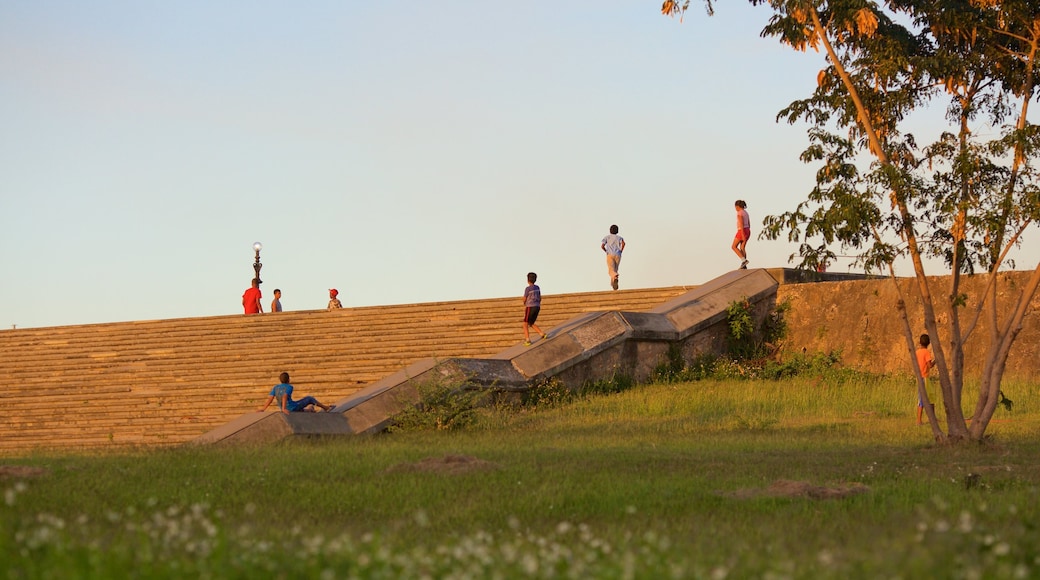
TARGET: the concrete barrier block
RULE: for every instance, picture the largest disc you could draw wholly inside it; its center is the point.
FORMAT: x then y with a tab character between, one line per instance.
706	305
413	370
231	428
375	413
312	424
647	326
252	429
490	372
597	332
600	331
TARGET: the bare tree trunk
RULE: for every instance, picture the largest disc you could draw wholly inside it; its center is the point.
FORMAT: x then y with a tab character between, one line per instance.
988	366
956	427
911	347
996	358
956	337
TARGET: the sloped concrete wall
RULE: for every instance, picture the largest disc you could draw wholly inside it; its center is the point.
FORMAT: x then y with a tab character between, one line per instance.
590	347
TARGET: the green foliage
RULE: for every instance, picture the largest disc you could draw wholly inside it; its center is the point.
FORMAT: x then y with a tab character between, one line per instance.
447	406
752	354
745	340
617	383
965	193
546	394
671	366
442	406
552	393
826	366
674	369
741	321
819	363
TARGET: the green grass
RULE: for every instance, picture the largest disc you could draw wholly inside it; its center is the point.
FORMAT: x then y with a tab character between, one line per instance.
656	481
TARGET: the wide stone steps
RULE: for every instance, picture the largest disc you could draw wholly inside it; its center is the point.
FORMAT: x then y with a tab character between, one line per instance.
164	382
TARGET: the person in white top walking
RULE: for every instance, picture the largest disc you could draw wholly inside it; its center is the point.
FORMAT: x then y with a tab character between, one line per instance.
613	245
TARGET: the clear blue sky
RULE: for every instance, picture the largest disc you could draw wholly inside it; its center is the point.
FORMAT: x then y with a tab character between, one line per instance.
398	151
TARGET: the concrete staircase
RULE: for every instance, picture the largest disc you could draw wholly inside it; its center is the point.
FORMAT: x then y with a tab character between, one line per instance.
164	382
590	347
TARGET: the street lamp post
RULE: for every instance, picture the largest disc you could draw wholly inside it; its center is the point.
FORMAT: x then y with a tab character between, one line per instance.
257	246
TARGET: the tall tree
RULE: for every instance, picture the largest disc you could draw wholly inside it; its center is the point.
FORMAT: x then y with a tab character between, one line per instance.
963	197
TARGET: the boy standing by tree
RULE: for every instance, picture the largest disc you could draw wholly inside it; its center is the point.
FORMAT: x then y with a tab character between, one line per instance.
532	305
925	362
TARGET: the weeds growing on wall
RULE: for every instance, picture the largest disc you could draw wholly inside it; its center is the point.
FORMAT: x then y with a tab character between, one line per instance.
742	337
745	340
752	353
442	406
552	392
546	394
447	406
826	366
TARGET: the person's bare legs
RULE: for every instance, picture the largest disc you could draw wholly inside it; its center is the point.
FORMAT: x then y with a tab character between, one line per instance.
527	335
538	330
738	248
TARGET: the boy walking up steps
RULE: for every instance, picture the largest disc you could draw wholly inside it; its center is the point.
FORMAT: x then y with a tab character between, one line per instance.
532	305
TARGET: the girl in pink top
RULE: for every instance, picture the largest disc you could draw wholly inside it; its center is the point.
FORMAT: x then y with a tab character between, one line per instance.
743	232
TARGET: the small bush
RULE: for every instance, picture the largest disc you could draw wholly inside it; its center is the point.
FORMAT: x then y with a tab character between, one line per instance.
677	371
441	407
615	384
546	394
739	316
745	341
669	369
825	365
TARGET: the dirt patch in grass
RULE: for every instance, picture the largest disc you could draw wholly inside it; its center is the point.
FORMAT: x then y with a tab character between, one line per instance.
449	465
21	471
786	488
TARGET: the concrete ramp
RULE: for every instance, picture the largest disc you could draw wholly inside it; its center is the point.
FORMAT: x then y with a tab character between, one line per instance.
591	347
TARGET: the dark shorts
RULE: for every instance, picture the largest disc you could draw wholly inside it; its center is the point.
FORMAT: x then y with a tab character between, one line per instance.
531	314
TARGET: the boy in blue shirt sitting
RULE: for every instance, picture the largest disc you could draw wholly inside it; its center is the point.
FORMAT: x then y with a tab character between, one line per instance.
283	392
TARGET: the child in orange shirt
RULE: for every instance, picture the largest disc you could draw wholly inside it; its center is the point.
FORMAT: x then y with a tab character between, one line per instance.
925	362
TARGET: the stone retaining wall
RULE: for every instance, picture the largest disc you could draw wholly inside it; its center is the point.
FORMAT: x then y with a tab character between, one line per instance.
860	319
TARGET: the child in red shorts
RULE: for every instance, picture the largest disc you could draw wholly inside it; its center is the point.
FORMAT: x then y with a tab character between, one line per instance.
743	232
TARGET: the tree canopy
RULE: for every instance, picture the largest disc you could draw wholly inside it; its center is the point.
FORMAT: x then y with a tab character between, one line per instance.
966	195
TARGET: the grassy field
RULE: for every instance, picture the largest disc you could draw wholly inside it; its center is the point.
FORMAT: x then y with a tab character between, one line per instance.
802	478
